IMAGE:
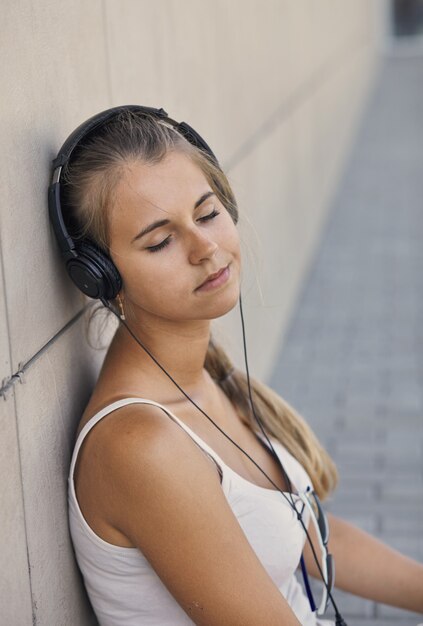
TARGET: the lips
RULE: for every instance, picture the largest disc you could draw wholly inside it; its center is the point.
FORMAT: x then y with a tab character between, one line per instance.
213	276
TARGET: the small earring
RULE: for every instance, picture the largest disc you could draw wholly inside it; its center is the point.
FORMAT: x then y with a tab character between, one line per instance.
122	312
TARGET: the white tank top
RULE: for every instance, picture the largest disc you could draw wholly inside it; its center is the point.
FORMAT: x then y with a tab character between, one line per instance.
124	589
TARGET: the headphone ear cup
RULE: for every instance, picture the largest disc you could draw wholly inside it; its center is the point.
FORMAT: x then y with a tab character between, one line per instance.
93	272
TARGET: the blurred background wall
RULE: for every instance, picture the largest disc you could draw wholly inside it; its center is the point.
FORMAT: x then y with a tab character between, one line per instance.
276	87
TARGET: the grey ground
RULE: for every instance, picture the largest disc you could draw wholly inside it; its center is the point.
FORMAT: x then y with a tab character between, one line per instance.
352	359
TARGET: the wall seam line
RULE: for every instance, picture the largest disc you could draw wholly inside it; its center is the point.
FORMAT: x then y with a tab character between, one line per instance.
327	70
28	564
324	73
8	383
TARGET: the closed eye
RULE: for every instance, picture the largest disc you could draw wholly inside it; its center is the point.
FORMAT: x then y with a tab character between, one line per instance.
210	216
166	241
160	245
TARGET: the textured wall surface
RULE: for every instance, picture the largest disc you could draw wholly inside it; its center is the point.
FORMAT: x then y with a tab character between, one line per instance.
275	87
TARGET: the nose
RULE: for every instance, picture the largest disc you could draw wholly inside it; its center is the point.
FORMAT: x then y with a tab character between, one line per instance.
201	246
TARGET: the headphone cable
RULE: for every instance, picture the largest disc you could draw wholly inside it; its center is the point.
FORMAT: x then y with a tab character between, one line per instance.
188	397
339	619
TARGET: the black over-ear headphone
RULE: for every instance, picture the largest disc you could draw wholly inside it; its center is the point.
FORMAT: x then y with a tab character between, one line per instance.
89	267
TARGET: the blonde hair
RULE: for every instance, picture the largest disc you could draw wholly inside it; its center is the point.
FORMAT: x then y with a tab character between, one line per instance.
90	180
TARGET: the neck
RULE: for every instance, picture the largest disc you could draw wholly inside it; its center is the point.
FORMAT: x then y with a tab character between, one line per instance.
179	348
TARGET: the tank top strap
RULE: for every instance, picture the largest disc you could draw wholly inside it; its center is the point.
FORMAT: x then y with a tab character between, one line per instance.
126	401
296	472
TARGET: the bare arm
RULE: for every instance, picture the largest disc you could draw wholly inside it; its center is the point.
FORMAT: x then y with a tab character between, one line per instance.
368	568
167	499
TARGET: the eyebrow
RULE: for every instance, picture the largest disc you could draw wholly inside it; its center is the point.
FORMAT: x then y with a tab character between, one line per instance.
160	223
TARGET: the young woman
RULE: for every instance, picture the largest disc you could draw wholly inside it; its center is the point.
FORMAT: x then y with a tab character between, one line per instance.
191	495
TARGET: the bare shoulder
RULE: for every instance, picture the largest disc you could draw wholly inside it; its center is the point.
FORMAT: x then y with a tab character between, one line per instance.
139	426
168	500
140	446
143	436
134	432
135	444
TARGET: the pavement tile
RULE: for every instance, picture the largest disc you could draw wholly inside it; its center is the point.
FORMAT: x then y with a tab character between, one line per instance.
352	359
403	620
392	613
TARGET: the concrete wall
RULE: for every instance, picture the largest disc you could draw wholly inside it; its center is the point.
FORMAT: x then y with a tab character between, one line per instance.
275	86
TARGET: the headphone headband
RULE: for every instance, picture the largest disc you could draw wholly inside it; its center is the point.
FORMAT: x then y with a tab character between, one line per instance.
95	121
89	267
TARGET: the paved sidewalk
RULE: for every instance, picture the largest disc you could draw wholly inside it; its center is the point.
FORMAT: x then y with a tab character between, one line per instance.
352	360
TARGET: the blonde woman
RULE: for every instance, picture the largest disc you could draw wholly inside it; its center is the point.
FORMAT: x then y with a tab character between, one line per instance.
194	493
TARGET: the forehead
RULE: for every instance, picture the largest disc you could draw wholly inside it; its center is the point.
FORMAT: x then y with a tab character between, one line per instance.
147	191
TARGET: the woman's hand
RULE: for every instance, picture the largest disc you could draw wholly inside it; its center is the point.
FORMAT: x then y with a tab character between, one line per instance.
368	568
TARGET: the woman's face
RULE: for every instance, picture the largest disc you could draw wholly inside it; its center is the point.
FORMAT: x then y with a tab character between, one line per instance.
188	235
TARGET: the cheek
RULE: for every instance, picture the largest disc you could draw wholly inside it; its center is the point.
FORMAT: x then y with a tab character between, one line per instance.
155	279
230	237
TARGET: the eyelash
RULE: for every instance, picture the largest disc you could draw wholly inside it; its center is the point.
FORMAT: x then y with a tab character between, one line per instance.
166	241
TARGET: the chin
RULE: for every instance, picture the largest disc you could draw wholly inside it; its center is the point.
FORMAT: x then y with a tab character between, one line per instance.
220	305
